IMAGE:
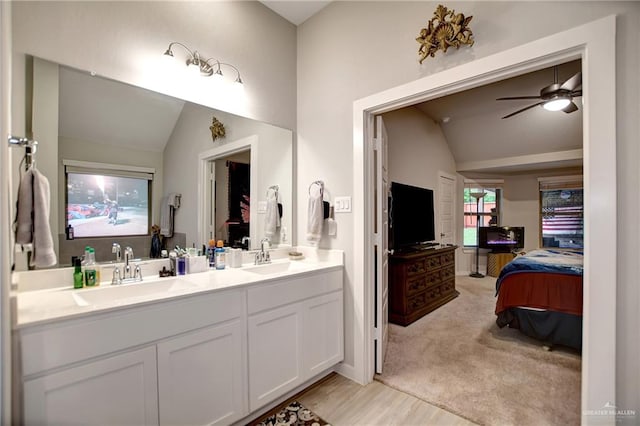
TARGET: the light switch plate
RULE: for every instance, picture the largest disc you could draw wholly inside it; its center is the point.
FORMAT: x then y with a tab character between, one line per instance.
262	206
342	204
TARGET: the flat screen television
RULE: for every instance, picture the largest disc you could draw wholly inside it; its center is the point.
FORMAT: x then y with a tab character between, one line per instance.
501	238
411	217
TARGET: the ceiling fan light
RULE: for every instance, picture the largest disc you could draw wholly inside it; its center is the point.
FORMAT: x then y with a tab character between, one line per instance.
556	104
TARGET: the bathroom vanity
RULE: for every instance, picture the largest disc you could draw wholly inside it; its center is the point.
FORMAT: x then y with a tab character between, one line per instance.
206	348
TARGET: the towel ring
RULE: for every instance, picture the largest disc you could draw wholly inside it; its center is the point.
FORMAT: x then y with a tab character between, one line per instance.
319	183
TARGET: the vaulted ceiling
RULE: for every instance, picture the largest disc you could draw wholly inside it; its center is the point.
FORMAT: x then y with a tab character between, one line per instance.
479	138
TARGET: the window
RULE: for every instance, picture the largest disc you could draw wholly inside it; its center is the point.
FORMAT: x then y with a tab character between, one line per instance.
107	200
488	207
561	212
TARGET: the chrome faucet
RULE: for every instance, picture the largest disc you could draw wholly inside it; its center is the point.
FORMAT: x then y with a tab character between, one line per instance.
263	255
128	255
246	240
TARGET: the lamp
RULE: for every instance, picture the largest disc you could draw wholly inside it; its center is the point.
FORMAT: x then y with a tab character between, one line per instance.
477	196
204	67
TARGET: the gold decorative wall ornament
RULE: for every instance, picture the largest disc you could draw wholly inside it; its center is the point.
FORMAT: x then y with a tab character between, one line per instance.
444	30
217	129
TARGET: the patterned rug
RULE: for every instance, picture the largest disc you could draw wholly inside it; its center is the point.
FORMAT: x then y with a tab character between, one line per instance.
293	414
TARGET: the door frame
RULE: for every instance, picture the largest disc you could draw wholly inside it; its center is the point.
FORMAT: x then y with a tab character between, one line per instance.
220	151
595	44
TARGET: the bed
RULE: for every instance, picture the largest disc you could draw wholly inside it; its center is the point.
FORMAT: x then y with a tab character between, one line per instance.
540	293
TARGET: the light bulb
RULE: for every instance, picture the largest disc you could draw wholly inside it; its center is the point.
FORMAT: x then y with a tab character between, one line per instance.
556	104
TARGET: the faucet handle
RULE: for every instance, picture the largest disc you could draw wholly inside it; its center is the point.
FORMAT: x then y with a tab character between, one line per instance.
116	276
137	273
115	249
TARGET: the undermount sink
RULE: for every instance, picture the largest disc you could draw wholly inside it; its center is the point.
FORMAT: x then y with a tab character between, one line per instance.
275	268
114	293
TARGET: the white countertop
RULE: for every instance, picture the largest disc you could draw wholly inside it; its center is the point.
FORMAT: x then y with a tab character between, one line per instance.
62	302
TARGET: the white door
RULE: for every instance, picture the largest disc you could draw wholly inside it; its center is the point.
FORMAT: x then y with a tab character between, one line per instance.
201	376
119	390
446	190
381	210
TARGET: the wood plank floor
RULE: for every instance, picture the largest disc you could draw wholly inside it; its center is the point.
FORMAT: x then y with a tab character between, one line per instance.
340	401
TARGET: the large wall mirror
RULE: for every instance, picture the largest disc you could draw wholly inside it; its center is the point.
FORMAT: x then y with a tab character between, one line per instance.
102	123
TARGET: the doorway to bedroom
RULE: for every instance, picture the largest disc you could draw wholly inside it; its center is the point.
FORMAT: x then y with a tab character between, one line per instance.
455	353
599	154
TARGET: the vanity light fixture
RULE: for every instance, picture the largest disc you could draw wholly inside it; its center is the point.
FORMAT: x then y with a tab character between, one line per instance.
204	67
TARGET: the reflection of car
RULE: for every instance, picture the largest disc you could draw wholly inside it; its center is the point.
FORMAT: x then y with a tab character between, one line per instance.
74	215
81	211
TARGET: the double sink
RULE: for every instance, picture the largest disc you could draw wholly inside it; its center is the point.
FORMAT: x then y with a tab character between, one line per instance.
155	288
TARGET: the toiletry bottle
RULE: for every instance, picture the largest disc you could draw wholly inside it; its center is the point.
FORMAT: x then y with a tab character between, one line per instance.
211	253
90	269
85	259
70	232
220	255
78	282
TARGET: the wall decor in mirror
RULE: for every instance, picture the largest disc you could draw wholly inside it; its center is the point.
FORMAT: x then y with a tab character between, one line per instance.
87	119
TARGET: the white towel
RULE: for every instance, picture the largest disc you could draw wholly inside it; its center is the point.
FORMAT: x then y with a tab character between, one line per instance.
34	198
166	213
315	214
173	199
272	216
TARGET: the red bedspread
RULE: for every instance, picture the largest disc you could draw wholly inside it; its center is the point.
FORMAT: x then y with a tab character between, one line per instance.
550	291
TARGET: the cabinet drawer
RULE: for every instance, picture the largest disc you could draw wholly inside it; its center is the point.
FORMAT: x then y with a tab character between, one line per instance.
448	258
447	274
421	283
432	295
415	268
447	287
433	262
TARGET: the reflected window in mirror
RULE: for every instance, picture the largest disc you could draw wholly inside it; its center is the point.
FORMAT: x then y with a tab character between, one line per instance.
104	200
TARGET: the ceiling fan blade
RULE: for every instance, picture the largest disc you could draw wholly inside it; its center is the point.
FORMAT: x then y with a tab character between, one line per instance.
570	108
573	83
576	93
517	97
523	109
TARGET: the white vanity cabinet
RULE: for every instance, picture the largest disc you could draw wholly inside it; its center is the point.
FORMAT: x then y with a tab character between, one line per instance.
295	332
211	357
118	390
91	370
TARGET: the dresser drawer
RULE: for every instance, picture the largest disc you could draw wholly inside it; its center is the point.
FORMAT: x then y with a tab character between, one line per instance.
433	262
415	268
448	258
422	282
447	274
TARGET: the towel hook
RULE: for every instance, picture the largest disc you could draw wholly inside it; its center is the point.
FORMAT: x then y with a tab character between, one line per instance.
30	149
319	183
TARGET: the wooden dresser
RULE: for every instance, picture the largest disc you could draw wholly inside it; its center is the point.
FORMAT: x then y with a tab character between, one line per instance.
420	282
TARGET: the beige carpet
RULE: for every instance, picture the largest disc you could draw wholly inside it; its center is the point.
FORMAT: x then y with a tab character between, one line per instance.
457	358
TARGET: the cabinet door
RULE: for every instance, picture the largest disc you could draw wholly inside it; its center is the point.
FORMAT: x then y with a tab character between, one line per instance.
201	376
119	390
322	333
275	363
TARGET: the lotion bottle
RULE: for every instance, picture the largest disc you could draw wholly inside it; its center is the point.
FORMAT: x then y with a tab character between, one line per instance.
220	255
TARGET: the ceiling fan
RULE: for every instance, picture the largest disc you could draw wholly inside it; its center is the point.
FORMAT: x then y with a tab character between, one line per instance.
554	97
